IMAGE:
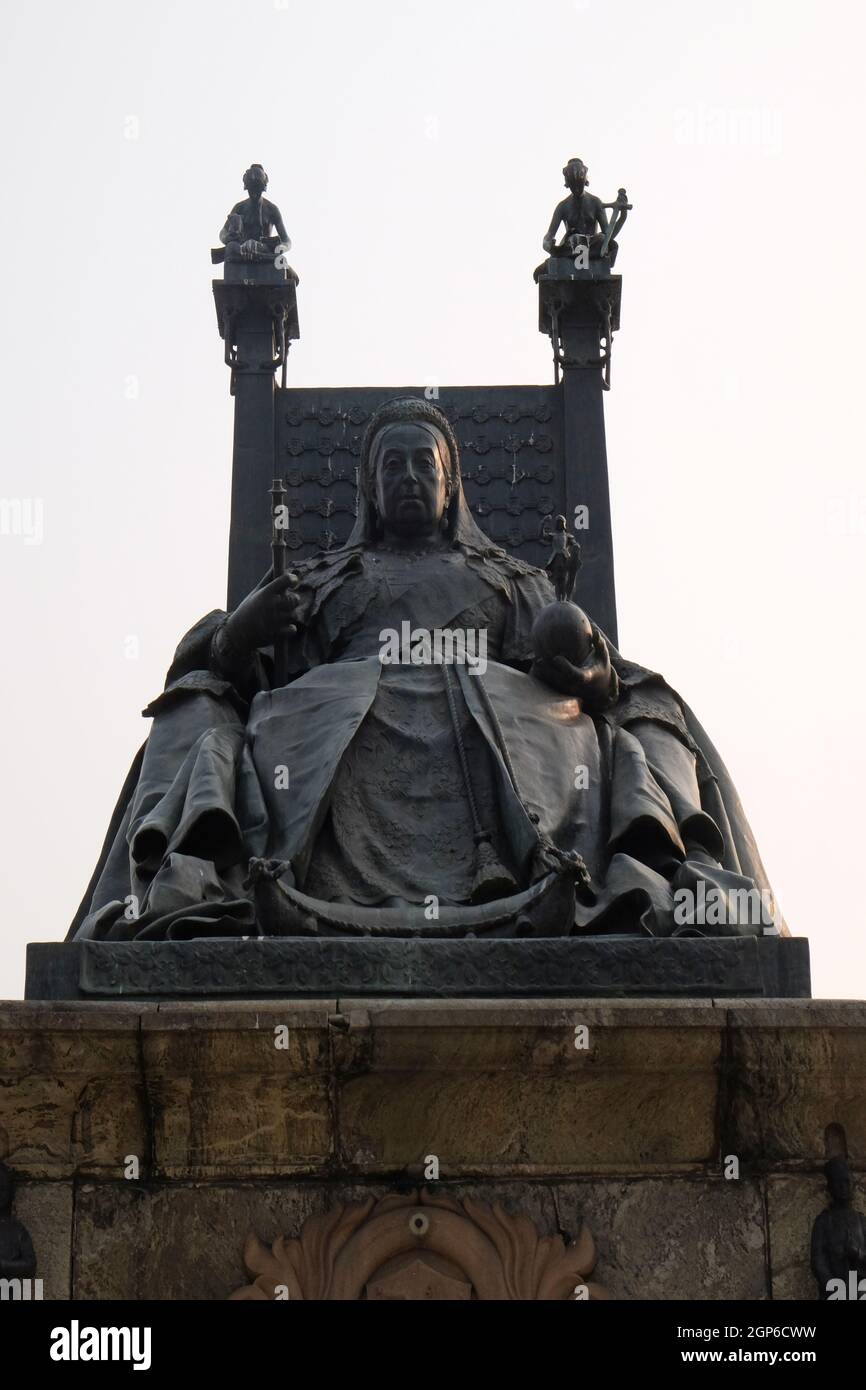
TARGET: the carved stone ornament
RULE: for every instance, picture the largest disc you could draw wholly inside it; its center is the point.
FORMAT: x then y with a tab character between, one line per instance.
419	1246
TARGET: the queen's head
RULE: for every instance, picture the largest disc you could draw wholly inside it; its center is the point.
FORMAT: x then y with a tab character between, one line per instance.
409	484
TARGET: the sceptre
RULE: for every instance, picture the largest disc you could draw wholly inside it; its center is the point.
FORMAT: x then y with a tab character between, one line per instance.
278	561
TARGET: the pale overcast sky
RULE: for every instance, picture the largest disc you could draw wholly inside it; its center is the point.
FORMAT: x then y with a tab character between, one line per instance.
415	151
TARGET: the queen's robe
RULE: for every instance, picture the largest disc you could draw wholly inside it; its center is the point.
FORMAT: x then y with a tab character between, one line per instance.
352	777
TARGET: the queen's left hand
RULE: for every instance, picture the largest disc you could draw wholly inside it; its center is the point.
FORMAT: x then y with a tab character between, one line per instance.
593	681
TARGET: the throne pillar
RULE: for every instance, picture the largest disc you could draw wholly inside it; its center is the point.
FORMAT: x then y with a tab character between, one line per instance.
257	316
579	311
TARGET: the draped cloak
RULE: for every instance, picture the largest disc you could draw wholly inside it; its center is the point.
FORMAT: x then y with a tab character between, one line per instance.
350	773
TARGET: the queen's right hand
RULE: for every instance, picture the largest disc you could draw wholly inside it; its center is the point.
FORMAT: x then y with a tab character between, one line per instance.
266	613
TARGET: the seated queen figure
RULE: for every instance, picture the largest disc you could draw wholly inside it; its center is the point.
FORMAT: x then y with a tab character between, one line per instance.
453	753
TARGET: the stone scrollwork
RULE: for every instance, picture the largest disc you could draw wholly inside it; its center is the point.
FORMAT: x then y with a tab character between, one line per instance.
420	1246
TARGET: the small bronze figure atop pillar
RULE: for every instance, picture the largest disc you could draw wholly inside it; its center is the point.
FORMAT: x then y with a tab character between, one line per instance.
579	298
248	231
588	234
257	316
584	218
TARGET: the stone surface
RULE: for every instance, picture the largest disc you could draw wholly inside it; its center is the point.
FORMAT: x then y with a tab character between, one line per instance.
522	1098
493	1087
238	1092
71	1094
185	1241
668	1239
236	1135
178	1242
45	1208
793	1070
656	1238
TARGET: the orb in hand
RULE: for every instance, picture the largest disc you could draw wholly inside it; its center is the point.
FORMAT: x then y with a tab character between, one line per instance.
562	629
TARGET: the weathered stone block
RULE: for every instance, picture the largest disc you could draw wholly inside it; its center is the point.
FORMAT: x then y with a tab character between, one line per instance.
627	1134
672	1238
239	1091
185	1241
499	1090
792	1205
71	1093
793	1069
45	1209
174	1242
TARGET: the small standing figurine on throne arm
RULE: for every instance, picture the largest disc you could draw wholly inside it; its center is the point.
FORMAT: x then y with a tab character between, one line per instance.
564	561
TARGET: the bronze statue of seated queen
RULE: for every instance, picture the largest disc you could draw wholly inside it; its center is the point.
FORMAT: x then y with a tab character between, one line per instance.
452	753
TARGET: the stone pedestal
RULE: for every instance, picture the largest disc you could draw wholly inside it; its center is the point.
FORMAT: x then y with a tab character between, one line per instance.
150	1140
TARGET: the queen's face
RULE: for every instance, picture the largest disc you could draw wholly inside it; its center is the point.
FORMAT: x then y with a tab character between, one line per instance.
411	481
